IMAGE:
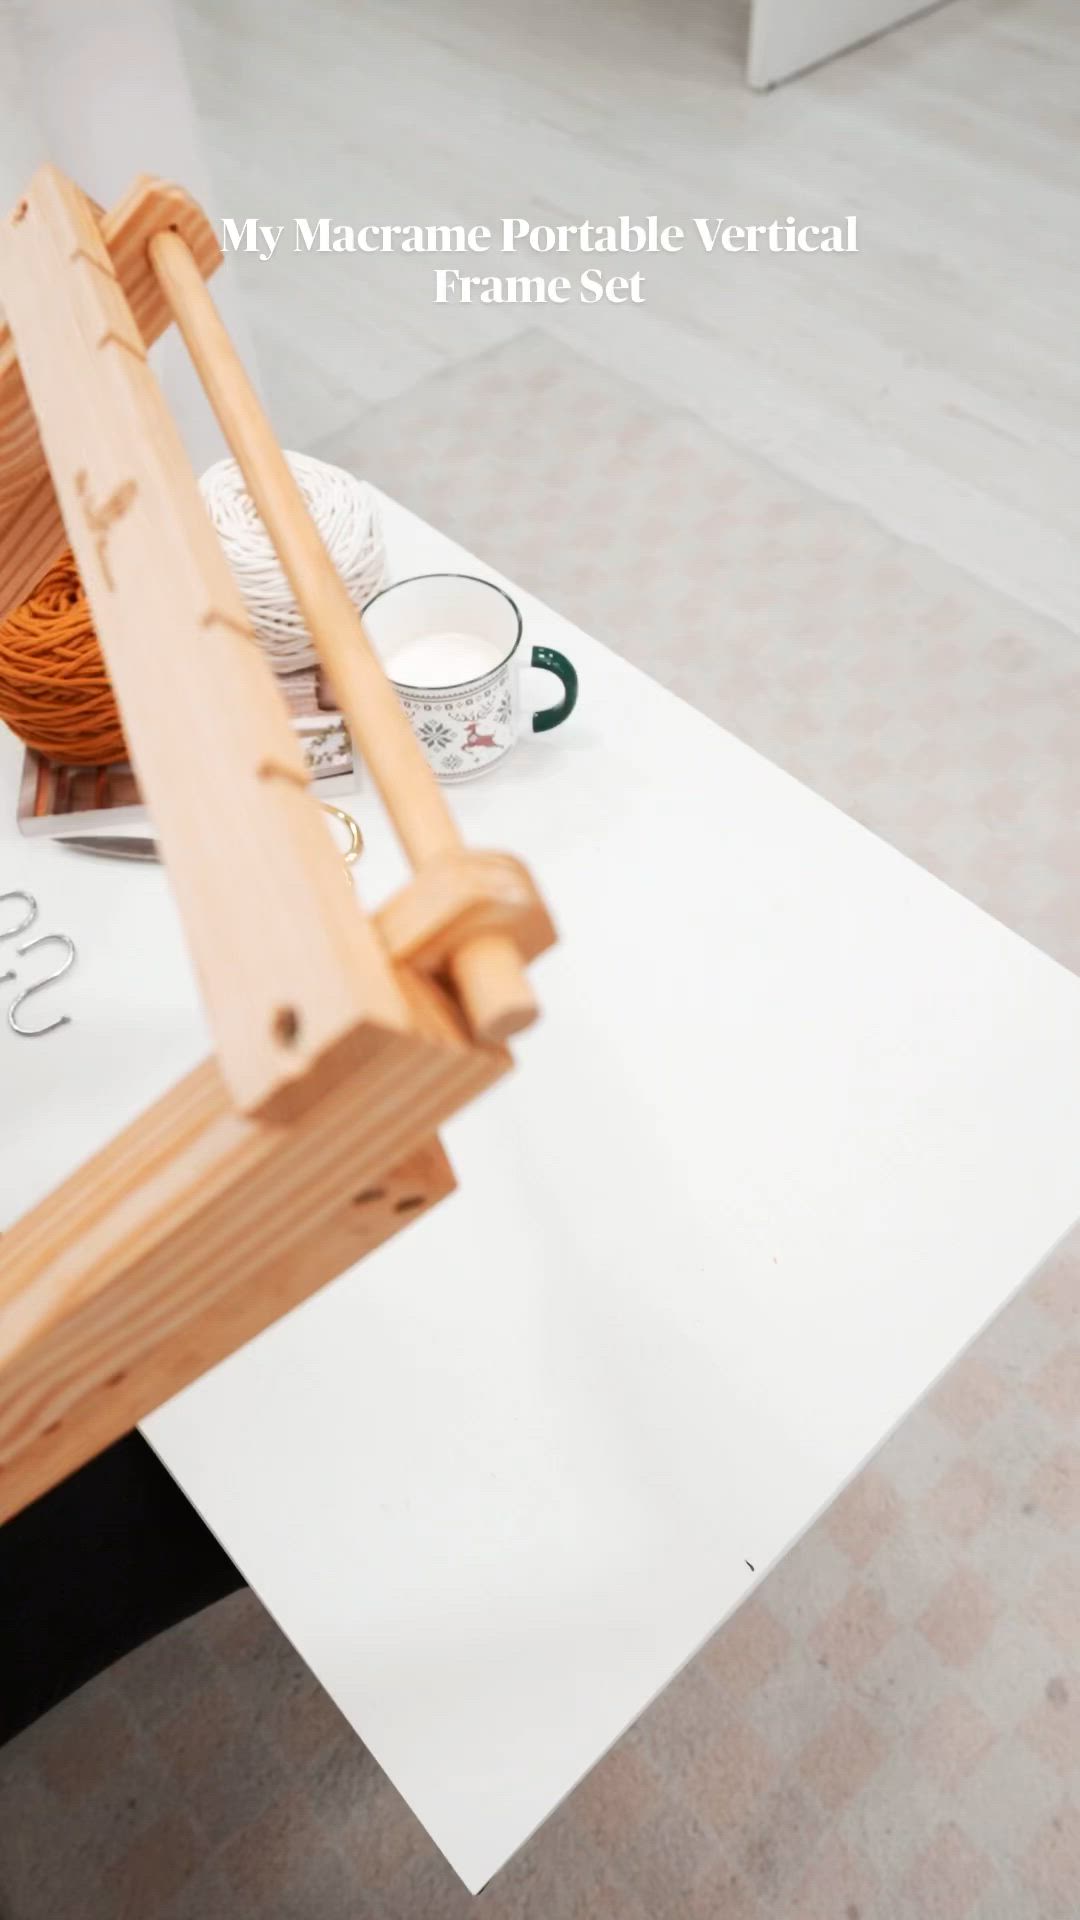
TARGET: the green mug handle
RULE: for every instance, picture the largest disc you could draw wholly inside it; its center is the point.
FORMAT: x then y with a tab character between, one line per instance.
557	663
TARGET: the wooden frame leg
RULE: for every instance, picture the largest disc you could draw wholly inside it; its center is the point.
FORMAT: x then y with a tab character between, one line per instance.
197	1227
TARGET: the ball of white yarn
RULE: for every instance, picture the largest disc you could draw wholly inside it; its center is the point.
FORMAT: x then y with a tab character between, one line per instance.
344	510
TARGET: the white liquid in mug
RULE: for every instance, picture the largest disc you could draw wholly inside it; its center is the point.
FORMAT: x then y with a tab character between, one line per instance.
443	659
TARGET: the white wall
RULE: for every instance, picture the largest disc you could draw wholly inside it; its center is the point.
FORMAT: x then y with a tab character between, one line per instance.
100	88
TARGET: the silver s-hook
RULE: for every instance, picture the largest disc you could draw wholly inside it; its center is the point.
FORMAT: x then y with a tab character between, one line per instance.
19	893
42	940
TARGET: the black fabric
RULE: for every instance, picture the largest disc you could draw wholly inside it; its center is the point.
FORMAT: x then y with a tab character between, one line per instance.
108	1558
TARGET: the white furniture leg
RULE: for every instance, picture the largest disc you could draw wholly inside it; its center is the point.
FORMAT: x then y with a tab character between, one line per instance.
787	36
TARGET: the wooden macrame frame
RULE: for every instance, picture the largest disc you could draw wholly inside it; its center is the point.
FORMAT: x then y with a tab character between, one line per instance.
342	1040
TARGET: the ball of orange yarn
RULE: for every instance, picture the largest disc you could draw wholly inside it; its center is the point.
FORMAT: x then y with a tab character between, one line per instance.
54	690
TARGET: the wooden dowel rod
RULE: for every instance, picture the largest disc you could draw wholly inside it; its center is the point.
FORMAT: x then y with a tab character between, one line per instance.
487	971
379	723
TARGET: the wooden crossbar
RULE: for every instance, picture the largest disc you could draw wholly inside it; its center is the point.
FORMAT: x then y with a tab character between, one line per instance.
490	978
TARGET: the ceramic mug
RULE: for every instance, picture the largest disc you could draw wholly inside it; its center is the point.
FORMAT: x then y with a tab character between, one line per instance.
451	645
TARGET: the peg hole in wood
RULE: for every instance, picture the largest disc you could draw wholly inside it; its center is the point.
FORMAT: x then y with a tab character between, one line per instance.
276	770
369	1194
409	1203
115	1379
286	1026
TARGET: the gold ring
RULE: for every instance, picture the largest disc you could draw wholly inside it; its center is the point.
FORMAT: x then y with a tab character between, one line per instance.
356	839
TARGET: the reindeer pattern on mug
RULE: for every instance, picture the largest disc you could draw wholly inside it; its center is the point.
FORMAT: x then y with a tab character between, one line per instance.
466	730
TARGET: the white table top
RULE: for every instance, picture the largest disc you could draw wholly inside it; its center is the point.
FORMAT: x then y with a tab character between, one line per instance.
798	1120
